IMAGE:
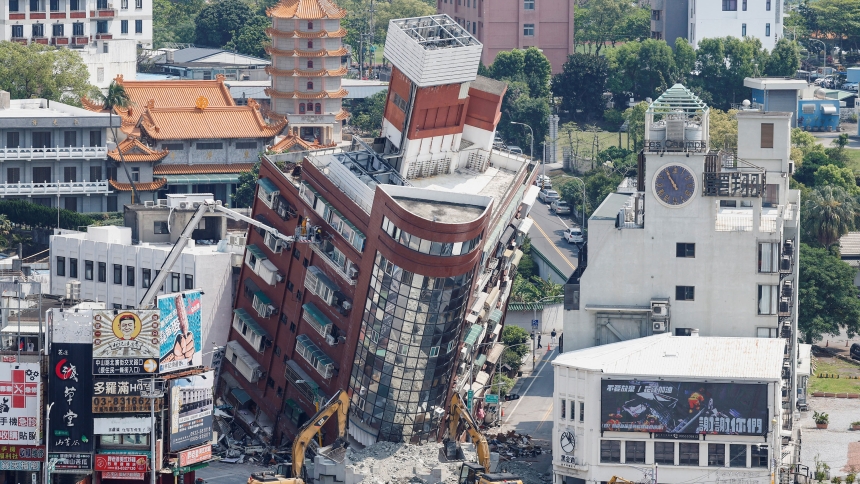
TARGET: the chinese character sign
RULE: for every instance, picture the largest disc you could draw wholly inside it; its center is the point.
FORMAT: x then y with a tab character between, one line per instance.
684	407
122	395
20	392
72	461
121	462
125	342
22	452
123	425
195	455
191	411
70	386
180	331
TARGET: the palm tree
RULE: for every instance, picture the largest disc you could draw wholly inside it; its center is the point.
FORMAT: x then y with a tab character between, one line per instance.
828	214
116	96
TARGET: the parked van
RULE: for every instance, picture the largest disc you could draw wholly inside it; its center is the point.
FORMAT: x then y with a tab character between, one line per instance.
855	351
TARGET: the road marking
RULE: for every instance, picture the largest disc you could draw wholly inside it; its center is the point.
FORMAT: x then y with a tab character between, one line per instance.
536	374
543	420
553	244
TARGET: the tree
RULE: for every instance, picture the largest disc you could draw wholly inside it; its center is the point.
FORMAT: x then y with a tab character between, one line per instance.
518	106
246	187
827	296
173	21
685	59
515	340
251	38
723	128
643	69
367	113
502	384
828	214
217	21
537	72
37	70
534	288
599	23
838	177
635	117
837	18
784	59
581	84
116	96
509	65
386	11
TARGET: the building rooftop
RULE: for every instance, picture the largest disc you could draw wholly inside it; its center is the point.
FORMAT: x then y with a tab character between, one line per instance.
492	183
306	10
611	205
436	32
849	245
122	235
775	83
491	86
208	122
683	357
43	108
451	213
678	98
133	150
214	57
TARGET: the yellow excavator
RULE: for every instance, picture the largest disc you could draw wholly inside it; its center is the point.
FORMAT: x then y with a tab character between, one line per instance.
470	472
337	405
619	480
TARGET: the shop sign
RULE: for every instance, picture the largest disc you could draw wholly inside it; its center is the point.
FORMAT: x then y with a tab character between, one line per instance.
20	385
195	455
121	462
125	342
191	411
22	452
20	465
132	476
181	343
125	425
122	395
663	435
71	460
70	384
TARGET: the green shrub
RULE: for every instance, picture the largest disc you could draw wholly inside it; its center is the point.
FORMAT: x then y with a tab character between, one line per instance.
26	213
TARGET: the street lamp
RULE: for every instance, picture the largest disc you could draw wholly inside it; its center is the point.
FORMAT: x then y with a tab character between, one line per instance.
48	466
532	142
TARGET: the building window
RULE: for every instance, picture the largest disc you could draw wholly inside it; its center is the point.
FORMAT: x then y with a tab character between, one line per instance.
730	5
767	34
434	351
13	138
18	33
145	278
13	7
117	274
301	108
528	4
95	173
138	26
310	85
135	174
210	146
70	174
78	28
683	249
101	27
634	452
112	203
124	4
160	228
744	5
766	5
42	139
310	64
689	454
13	175
767	299
38	30
70	203
73	268
123	26
102	271
189	281
246	145
716	455
173	146
70	138
138	3
61	266
737	455
768	257
57	31
743	29
563	408
685	293
317	108
88	270
766	333
174	282
582	411
310	44
610	451
529	30
664	453
758	456
41	174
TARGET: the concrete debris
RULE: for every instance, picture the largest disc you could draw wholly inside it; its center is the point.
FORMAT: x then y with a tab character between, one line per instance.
512	445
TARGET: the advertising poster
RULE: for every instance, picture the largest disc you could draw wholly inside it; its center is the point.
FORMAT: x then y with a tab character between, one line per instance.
22	452
20	394
125	342
180	331
191	411
195	455
120	463
684	407
70	385
72	461
122	395
122	425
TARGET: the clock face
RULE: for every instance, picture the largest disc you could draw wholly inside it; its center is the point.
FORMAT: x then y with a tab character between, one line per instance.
674	185
568	441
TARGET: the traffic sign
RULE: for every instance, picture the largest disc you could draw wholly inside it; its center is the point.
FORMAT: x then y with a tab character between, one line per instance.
491	399
534	323
469	396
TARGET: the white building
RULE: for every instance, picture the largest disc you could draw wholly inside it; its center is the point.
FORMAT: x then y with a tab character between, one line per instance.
735	18
690	409
110	268
93	26
708	241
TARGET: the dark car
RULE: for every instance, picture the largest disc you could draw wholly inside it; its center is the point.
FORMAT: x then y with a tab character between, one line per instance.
855	351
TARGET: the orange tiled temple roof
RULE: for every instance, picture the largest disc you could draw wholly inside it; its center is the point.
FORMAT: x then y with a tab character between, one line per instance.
135	151
306	9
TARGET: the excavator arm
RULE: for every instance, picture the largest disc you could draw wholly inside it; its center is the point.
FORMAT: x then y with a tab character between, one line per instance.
338	404
458	412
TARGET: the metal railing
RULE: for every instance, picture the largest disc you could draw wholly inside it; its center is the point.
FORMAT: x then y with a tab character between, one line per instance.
324	255
61	188
56	152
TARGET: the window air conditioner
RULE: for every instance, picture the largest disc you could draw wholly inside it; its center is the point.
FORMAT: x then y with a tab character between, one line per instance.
330	340
785	263
787	289
659	326
183	204
346	305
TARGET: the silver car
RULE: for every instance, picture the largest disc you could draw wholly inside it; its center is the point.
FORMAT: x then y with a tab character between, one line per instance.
548	196
560	207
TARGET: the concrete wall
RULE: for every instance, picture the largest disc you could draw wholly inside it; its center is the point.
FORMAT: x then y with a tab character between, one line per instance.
190	154
708	20
549	318
106	59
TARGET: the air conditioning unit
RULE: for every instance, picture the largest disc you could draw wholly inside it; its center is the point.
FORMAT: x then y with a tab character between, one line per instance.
73	290
784	305
660	309
787	289
788	247
353	271
346	305
271	309
659	327
785	263
183	204
330	340
279	277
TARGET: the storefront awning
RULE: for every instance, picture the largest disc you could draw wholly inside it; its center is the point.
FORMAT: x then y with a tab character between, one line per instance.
313	312
495	353
253	249
496	315
480	360
472	335
202	179
249	321
241	396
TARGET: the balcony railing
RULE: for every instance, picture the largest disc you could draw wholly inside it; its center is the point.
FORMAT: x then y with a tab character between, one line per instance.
333	264
48	153
62	188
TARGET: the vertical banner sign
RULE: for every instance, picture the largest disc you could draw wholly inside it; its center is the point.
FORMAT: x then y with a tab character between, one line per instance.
20	392
180	331
70	388
191	411
125	342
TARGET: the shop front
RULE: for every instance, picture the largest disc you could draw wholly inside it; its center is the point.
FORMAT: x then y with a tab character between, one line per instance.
21	463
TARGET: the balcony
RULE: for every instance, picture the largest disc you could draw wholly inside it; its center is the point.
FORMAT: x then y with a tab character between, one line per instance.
60	41
80	40
55	153
103	12
20	40
104	36
39	40
334	259
62	188
314	356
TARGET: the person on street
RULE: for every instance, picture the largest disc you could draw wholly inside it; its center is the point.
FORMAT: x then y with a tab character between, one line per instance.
552	335
539	345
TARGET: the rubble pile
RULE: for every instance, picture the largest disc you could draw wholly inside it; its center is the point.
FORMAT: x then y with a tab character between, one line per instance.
390	463
512	445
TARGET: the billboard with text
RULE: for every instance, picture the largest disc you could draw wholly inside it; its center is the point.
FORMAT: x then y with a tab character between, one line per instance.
180	345
191	410
125	342
684	407
20	396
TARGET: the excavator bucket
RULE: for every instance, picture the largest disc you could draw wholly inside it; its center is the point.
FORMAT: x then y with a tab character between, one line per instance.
335	451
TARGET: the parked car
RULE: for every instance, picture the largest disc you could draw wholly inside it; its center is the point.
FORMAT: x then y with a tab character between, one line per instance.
855	351
548	196
515	150
560	207
543	181
573	235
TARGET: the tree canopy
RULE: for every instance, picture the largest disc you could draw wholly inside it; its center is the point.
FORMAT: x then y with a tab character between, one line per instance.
581	85
827	297
246	187
37	70
217	21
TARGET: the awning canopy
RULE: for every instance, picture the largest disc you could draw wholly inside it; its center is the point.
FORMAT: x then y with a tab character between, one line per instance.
250	323
267	185
496	315
201	178
525	225
313	312
262	298
472	335
495	352
303	376
480	360
241	396
828	109
253	249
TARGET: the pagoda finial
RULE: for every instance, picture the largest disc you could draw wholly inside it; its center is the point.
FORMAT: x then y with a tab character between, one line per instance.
118	79
220	77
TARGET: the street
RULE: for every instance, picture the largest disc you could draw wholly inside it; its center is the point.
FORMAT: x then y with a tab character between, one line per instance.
546	236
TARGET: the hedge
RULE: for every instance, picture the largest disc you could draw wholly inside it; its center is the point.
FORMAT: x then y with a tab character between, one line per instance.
26	213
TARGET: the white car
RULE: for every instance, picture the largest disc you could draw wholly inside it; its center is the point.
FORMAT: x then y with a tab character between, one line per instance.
548	196
543	181
573	235
560	207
